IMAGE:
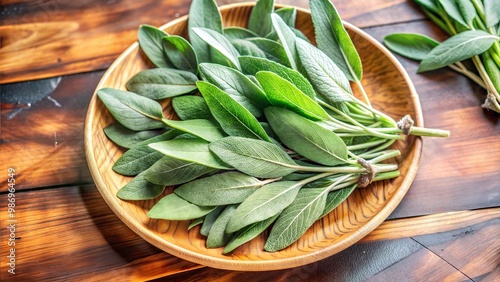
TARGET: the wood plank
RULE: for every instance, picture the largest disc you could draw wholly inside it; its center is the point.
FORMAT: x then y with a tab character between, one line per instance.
79	237
58	37
70	232
44	143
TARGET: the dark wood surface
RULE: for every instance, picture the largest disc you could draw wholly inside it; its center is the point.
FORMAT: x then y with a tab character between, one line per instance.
445	229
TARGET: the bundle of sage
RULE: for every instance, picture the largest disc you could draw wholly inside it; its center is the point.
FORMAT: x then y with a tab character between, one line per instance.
269	131
474	27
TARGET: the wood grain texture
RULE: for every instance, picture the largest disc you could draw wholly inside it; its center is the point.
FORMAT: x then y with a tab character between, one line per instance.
70	234
356	217
59	37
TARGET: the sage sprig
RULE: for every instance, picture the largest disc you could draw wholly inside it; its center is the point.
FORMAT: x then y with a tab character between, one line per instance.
269	133
473	26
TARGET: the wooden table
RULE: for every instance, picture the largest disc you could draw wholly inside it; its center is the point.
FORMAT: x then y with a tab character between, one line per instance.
446	228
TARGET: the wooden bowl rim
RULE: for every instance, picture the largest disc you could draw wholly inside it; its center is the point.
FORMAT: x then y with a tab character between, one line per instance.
249	265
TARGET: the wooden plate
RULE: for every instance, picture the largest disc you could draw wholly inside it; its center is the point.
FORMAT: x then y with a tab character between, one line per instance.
390	90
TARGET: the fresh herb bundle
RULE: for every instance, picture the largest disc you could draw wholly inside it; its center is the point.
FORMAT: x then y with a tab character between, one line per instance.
474	27
275	138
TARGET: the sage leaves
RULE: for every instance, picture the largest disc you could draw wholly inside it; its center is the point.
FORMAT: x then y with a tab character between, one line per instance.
473	29
254	127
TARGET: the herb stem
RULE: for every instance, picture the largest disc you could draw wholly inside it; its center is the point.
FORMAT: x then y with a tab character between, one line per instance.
420	131
363	92
365	145
459	67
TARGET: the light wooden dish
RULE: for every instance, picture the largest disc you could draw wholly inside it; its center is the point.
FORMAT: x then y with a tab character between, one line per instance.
390	90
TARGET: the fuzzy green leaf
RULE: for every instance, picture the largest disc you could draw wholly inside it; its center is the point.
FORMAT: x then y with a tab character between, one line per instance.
173	207
150	40
127	138
307	137
205	14
295	219
457	48
192	150
169	171
283	93
236	85
180	53
191	107
266	202
260	17
236	32
252	66
330	82
205	129
217	236
234	119
220	189
254	157
162	83
287	38
333	39
140	189
220	45
410	45
248	233
131	110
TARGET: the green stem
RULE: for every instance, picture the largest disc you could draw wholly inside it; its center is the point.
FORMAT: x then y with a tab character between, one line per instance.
420	131
491	88
365	145
459	67
363	92
390	154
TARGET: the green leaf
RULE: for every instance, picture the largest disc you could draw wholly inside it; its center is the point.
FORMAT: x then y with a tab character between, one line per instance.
333	39
162	83
294	221
457	48
451	8
195	222
254	157
467	10
127	138
410	45
236	85
131	110
210	219
234	119
173	207
287	38
217	236
252	66
180	53
288	14
492	12
169	171
260	17
335	198
150	41
306	137
248	233
203	128
330	82
272	50
264	203
206	14
192	150
428	4
492	70
191	107
247	48
140	157
236	32
219	45
283	93
140	189
220	189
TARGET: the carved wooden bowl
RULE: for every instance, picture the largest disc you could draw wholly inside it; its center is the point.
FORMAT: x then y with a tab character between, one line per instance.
389	89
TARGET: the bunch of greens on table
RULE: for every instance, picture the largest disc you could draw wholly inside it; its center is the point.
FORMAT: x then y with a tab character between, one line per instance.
269	131
474	27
